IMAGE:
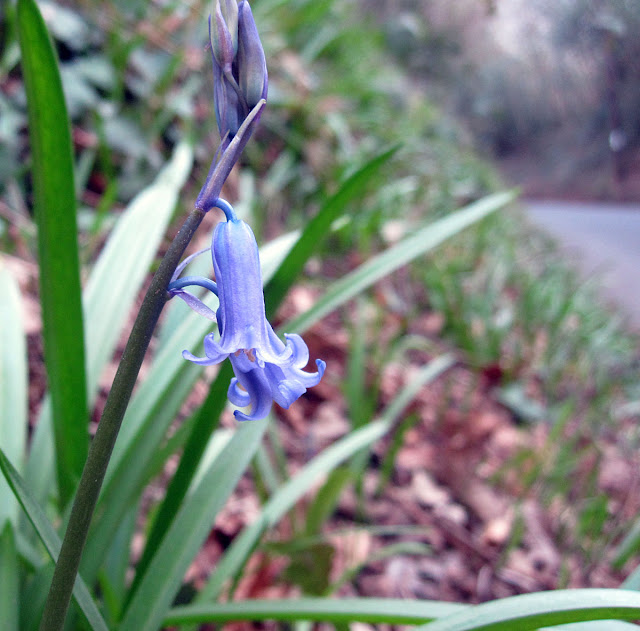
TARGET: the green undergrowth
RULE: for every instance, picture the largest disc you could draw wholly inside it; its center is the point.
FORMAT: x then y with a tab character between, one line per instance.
136	81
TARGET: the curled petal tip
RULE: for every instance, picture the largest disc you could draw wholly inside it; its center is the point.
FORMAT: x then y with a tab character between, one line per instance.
241	416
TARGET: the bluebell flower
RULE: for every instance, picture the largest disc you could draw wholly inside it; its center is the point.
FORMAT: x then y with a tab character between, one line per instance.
266	369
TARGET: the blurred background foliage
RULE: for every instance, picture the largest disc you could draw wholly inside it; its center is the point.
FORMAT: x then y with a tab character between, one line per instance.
348	80
548	88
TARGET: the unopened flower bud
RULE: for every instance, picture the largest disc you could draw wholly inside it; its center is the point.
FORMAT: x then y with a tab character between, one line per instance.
224	33
227	105
251	63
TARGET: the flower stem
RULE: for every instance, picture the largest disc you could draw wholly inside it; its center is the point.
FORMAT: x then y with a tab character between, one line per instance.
64	576
57	603
211	190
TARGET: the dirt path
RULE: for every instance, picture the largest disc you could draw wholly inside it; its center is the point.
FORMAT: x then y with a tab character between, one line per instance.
603	239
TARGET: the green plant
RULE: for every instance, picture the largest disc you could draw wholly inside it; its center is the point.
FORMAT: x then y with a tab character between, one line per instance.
214	458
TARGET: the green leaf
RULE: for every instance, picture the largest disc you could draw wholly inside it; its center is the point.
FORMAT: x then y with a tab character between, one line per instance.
118	561
9	579
370	610
286	497
206	420
189	529
532	611
327	499
310	568
123	265
55	213
113	287
13	386
35	593
50	539
629	546
317	228
417	244
596	625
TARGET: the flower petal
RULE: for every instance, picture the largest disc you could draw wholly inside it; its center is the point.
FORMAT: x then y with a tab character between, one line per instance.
202	361
237	270
289	391
195	304
238	396
257	387
213	351
300	350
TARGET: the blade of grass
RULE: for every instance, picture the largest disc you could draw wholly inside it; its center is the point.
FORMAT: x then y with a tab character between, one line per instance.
13	386
29	555
117	562
55	212
629	546
189	529
282	501
128	482
207	419
317	228
51	541
9	579
124	262
35	593
532	611
326	500
369	610
411	247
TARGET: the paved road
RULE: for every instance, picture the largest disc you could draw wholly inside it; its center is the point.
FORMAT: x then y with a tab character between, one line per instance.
603	239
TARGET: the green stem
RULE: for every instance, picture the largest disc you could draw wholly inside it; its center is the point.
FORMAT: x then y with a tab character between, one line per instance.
55	609
64	576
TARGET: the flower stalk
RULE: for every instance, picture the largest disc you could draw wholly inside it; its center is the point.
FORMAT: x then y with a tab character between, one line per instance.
57	603
59	597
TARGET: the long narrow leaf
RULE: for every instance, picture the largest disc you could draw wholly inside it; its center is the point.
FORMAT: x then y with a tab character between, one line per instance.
50	539
317	229
128	481
35	593
282	501
13	386
532	611
369	610
55	212
9	579
189	529
207	419
123	265
409	248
